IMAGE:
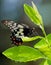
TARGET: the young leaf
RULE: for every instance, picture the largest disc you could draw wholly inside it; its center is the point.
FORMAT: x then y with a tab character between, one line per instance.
22	53
33	14
28	39
35	8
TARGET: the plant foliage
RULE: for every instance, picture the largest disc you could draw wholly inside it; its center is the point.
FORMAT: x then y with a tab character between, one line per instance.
42	49
23	53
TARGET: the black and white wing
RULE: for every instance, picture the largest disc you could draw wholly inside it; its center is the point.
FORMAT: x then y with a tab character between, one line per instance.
18	31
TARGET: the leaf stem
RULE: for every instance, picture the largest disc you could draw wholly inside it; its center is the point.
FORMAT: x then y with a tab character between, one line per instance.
42	28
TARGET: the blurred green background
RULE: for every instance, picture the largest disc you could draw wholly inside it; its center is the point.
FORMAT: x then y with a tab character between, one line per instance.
13	10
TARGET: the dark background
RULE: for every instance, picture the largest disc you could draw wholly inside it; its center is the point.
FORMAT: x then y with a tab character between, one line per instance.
13	10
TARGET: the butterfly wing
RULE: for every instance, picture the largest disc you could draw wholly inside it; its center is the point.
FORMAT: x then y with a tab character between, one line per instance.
18	31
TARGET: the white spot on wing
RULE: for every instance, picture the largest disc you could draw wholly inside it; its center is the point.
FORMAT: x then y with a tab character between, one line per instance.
20	26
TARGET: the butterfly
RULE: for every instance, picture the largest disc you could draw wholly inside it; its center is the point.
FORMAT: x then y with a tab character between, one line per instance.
18	31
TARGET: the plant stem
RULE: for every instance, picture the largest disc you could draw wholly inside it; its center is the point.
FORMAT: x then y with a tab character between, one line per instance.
42	28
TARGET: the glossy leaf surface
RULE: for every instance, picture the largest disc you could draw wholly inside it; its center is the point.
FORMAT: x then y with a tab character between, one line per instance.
22	53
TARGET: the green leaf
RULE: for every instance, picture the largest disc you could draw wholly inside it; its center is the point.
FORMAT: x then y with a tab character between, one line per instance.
45	62
42	43
35	8
33	14
43	47
28	39
22	53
